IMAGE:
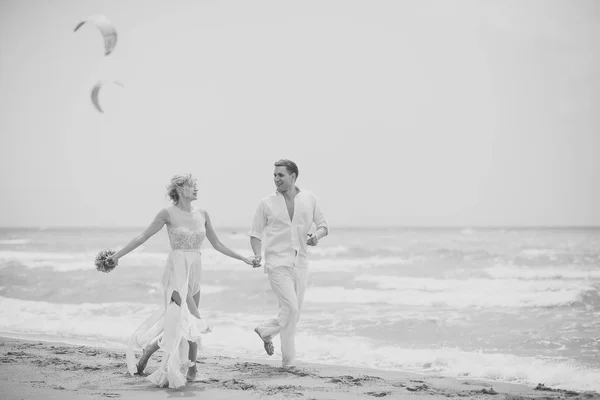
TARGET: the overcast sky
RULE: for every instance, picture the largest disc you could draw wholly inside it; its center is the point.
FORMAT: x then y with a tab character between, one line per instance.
463	113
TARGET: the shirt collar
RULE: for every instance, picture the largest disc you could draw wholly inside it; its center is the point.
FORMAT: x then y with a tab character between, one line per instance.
297	188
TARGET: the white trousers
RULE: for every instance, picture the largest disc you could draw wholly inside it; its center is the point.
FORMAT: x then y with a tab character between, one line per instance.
289	285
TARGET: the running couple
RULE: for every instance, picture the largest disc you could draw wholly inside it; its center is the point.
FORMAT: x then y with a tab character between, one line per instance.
282	225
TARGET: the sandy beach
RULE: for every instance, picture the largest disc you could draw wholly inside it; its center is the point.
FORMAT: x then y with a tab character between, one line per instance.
46	370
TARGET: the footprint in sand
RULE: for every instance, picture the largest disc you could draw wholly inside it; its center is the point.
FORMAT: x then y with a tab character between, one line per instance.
287	389
378	394
18	354
417	388
238	384
110	395
350	380
209	380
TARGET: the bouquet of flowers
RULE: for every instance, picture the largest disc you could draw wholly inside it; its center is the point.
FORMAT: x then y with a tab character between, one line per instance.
102	262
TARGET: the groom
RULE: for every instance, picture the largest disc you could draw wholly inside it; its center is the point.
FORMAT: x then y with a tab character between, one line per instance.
285	218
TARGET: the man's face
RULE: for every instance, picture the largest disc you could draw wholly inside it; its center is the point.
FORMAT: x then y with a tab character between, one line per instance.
283	180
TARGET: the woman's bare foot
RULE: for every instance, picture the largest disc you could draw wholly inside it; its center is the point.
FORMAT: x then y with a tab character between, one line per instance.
192	373
141	365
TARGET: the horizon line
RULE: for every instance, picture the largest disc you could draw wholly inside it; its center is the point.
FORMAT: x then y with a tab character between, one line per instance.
336	227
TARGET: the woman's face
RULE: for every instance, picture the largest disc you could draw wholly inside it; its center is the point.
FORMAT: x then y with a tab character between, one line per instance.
189	190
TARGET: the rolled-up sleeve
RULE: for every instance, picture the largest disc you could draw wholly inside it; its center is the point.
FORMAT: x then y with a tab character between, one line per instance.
319	217
259	222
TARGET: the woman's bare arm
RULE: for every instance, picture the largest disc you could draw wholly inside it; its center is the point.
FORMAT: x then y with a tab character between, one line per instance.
156	225
219	246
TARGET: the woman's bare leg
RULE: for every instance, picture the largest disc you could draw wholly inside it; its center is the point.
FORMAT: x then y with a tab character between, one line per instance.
152	347
193	354
148	351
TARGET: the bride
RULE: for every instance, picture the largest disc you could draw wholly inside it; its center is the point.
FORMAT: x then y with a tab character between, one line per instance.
176	327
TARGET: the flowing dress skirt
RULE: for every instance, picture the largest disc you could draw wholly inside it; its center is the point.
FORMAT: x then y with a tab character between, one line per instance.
175	323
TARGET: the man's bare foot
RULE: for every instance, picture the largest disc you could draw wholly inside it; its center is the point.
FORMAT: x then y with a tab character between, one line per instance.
268	344
192	373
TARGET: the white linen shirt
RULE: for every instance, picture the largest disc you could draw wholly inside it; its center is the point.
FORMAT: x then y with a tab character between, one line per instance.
285	238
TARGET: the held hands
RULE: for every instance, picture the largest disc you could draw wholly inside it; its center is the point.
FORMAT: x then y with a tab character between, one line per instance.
313	240
254	261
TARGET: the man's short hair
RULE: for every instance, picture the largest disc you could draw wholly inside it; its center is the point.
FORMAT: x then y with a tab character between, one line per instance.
289	165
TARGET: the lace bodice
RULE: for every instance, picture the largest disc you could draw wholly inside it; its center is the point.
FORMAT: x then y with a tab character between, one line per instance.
186	230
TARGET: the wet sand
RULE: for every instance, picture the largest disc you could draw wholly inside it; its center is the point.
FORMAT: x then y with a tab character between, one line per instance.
45	370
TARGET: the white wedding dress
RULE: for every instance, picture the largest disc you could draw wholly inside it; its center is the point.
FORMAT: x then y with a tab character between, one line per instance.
177	326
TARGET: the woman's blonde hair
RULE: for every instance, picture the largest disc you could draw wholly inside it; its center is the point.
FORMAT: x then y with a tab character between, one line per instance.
177	181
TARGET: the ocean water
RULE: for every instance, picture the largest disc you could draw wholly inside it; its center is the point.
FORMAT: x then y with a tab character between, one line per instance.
515	305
